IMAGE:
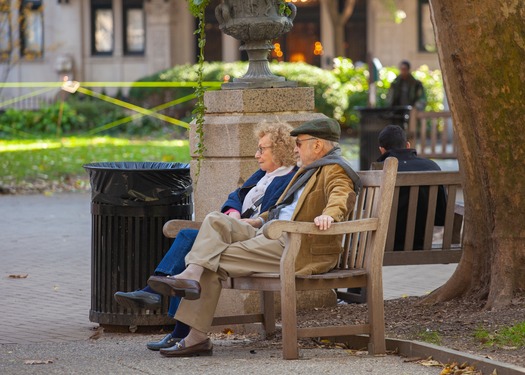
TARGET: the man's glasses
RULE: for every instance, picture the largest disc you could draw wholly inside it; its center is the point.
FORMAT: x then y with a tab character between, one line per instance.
260	149
299	142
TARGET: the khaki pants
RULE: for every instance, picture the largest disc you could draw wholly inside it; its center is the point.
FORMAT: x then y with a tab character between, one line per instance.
225	247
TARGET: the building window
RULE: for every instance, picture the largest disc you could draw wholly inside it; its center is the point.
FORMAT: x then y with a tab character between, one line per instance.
31	29
302	43
427	42
5	30
134	27
102	27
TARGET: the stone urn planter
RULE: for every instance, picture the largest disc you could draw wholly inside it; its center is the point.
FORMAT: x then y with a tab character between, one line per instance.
256	23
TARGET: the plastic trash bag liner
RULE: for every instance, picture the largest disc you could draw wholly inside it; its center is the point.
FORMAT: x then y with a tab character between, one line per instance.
139	183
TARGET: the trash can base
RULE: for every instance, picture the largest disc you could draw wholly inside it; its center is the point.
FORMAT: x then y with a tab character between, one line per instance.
140	319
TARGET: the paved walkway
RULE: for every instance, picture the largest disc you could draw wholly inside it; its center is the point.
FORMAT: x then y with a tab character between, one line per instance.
48	239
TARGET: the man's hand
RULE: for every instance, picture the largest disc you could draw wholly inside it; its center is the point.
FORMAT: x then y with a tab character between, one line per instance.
235	215
323	222
256	223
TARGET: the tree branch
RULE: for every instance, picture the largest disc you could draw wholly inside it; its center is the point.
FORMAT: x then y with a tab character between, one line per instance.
348	10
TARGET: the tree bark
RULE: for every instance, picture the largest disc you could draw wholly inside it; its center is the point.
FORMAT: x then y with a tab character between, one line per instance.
339	21
481	47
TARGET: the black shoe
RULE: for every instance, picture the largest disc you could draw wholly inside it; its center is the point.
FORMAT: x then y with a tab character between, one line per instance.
167	342
171	286
138	299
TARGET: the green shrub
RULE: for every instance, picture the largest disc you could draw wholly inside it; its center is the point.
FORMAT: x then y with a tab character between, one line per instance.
329	97
337	92
355	84
56	119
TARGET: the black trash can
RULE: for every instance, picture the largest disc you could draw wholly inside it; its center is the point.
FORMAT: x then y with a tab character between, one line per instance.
130	202
372	121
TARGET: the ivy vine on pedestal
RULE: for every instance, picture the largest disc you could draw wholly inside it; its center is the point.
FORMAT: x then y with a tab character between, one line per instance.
197	9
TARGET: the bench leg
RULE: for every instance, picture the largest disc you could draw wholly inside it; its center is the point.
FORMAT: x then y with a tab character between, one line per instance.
268	302
289	321
376	319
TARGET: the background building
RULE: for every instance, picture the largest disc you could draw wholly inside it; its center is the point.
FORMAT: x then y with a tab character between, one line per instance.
123	40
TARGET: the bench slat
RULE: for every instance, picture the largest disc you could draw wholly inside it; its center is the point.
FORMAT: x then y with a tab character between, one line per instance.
411	218
431	215
449	217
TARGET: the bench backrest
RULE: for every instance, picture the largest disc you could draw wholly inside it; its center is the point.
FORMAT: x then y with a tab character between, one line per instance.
365	248
436	238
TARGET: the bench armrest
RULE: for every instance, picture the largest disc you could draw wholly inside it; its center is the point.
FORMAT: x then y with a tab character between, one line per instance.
294	231
172	227
276	228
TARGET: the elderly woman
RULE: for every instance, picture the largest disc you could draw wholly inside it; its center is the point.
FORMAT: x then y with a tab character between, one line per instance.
275	155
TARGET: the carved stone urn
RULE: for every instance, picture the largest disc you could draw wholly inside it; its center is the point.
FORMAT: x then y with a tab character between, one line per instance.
256	23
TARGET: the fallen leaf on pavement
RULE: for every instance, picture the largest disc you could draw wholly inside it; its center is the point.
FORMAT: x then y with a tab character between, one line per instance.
430	362
18	276
38	361
459	369
98	333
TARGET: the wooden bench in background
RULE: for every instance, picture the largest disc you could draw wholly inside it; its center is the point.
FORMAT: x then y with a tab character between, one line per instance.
442	245
431	134
446	246
360	266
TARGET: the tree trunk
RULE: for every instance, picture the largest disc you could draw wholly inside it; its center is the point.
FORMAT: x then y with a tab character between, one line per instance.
339	21
481	46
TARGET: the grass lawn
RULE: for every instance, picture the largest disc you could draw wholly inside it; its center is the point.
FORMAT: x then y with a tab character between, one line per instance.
53	164
23	162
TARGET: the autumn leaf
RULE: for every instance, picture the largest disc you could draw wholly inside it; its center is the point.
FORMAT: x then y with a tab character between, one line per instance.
429	362
97	334
18	276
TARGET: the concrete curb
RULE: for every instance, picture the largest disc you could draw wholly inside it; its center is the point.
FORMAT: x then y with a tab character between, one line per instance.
442	354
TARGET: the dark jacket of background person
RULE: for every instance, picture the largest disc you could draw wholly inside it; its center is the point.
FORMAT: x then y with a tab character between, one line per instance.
272	194
415	93
410	162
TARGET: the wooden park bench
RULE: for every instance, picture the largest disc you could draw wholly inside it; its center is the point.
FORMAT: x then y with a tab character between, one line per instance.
447	247
360	266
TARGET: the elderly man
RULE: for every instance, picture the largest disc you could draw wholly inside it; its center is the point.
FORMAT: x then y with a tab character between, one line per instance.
320	192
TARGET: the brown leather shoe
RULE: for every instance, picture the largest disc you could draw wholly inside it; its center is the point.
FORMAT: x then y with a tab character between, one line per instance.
203	348
170	286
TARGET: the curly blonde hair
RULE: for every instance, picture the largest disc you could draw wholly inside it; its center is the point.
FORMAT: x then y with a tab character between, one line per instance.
282	142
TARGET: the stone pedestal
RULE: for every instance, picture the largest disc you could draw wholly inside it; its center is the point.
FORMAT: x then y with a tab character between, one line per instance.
230	120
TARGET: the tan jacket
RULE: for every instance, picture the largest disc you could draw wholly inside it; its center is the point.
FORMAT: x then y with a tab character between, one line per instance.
328	192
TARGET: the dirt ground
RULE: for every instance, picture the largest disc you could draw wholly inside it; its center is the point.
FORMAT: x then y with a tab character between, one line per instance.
451	324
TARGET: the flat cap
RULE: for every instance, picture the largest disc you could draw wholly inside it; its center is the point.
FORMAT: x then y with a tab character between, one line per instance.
324	128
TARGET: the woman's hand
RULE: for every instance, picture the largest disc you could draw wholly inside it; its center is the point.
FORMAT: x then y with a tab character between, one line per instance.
235	215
